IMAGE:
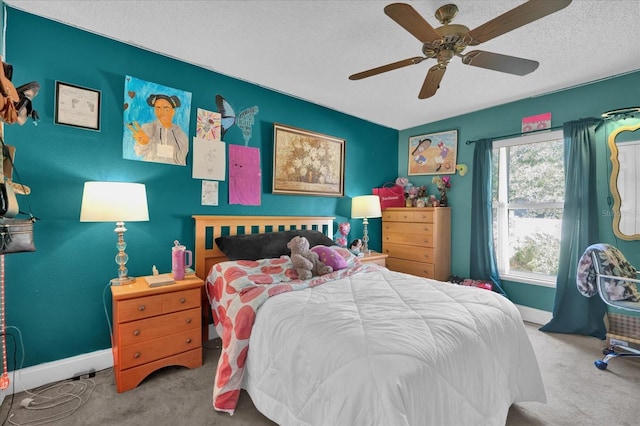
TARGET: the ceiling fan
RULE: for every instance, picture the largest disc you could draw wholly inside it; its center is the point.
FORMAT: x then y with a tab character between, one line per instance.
449	40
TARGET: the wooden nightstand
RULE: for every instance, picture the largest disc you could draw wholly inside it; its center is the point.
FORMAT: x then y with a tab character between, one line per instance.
375	257
155	328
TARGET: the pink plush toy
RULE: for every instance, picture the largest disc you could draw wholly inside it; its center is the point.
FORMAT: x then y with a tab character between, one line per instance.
306	262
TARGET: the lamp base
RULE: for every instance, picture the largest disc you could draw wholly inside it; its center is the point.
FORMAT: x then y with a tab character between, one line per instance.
122	281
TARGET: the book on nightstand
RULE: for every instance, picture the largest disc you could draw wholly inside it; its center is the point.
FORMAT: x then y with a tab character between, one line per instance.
159	280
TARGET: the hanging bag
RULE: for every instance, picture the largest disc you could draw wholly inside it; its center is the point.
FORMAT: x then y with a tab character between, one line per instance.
16	235
391	195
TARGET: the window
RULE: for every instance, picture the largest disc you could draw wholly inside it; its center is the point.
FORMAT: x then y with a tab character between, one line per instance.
528	200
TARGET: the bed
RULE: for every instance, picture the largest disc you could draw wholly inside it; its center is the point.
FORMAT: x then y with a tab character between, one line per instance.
362	345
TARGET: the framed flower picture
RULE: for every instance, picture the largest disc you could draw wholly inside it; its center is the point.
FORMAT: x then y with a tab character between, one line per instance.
433	153
307	163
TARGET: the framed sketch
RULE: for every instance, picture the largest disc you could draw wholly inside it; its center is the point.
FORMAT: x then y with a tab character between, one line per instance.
433	153
77	106
307	163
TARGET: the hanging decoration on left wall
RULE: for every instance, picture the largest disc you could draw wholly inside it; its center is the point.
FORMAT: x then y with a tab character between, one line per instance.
156	122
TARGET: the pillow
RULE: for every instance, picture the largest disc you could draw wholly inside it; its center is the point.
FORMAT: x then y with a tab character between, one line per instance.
330	257
267	246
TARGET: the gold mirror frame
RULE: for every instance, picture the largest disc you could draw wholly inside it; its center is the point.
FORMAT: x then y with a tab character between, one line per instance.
613	183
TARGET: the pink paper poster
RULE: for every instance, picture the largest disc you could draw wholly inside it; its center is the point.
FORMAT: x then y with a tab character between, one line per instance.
244	175
536	122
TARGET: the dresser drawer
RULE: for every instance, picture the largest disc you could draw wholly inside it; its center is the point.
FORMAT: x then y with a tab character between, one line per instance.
408	227
408	215
152	328
399	251
409	239
411	267
171	344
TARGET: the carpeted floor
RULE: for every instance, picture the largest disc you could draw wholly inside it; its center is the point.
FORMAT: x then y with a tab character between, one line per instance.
577	393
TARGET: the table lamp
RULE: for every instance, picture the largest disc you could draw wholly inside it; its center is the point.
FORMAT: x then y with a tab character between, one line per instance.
365	207
115	202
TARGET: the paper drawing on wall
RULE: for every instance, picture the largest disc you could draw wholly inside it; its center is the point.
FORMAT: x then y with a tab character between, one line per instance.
156	122
208	125
244	120
244	175
209	193
433	154
209	161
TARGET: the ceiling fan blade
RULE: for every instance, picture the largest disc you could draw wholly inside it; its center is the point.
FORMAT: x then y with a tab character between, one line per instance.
412	21
498	62
388	67
515	18
432	81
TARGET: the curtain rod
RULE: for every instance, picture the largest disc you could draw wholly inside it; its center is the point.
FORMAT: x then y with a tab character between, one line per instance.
520	134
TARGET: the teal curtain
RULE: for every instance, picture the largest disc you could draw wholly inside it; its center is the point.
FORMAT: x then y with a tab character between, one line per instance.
483	263
573	312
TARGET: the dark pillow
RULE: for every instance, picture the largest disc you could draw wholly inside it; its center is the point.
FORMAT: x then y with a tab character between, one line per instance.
267	246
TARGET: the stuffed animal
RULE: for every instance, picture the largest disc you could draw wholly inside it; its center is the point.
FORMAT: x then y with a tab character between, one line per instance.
306	262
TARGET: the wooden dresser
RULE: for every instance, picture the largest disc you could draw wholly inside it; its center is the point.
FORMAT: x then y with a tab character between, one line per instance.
155	328
418	240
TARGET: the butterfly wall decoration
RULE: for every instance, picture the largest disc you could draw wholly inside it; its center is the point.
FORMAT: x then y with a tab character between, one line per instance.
244	120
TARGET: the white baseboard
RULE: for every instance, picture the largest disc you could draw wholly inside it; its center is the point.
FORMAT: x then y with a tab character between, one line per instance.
534	315
51	372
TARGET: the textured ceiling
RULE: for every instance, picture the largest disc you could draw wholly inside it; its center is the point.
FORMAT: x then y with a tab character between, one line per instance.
307	49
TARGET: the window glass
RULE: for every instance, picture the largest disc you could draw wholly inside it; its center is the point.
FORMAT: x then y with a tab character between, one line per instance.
528	199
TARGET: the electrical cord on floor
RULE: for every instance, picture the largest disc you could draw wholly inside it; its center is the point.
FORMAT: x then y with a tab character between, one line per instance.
66	392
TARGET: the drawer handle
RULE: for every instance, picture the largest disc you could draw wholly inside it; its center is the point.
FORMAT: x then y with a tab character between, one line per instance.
136	355
141	308
188	320
189	340
136	332
182	300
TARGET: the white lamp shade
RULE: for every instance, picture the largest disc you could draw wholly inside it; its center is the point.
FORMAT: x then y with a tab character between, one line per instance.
114	202
365	206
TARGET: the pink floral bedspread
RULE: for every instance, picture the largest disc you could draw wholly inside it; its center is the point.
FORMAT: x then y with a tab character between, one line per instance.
236	290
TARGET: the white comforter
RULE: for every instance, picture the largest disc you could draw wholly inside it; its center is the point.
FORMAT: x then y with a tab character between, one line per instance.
385	348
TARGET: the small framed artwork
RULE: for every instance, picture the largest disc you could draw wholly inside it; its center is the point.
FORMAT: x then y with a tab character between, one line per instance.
307	163
433	153
77	106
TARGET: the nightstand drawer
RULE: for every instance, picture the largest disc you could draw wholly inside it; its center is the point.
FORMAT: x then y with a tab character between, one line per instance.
172	344
410	267
152	328
419	254
142	307
180	300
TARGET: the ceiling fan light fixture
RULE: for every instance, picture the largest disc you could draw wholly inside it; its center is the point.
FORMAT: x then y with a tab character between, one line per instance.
449	40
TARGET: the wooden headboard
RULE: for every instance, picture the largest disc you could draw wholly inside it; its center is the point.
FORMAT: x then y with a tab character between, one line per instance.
208	228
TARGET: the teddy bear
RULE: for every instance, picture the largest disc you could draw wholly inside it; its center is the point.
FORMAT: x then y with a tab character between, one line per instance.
306	262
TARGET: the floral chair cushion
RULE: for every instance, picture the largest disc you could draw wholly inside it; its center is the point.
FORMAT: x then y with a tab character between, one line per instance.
610	262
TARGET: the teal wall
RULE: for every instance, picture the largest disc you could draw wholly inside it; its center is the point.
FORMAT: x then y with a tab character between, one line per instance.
572	104
57	296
